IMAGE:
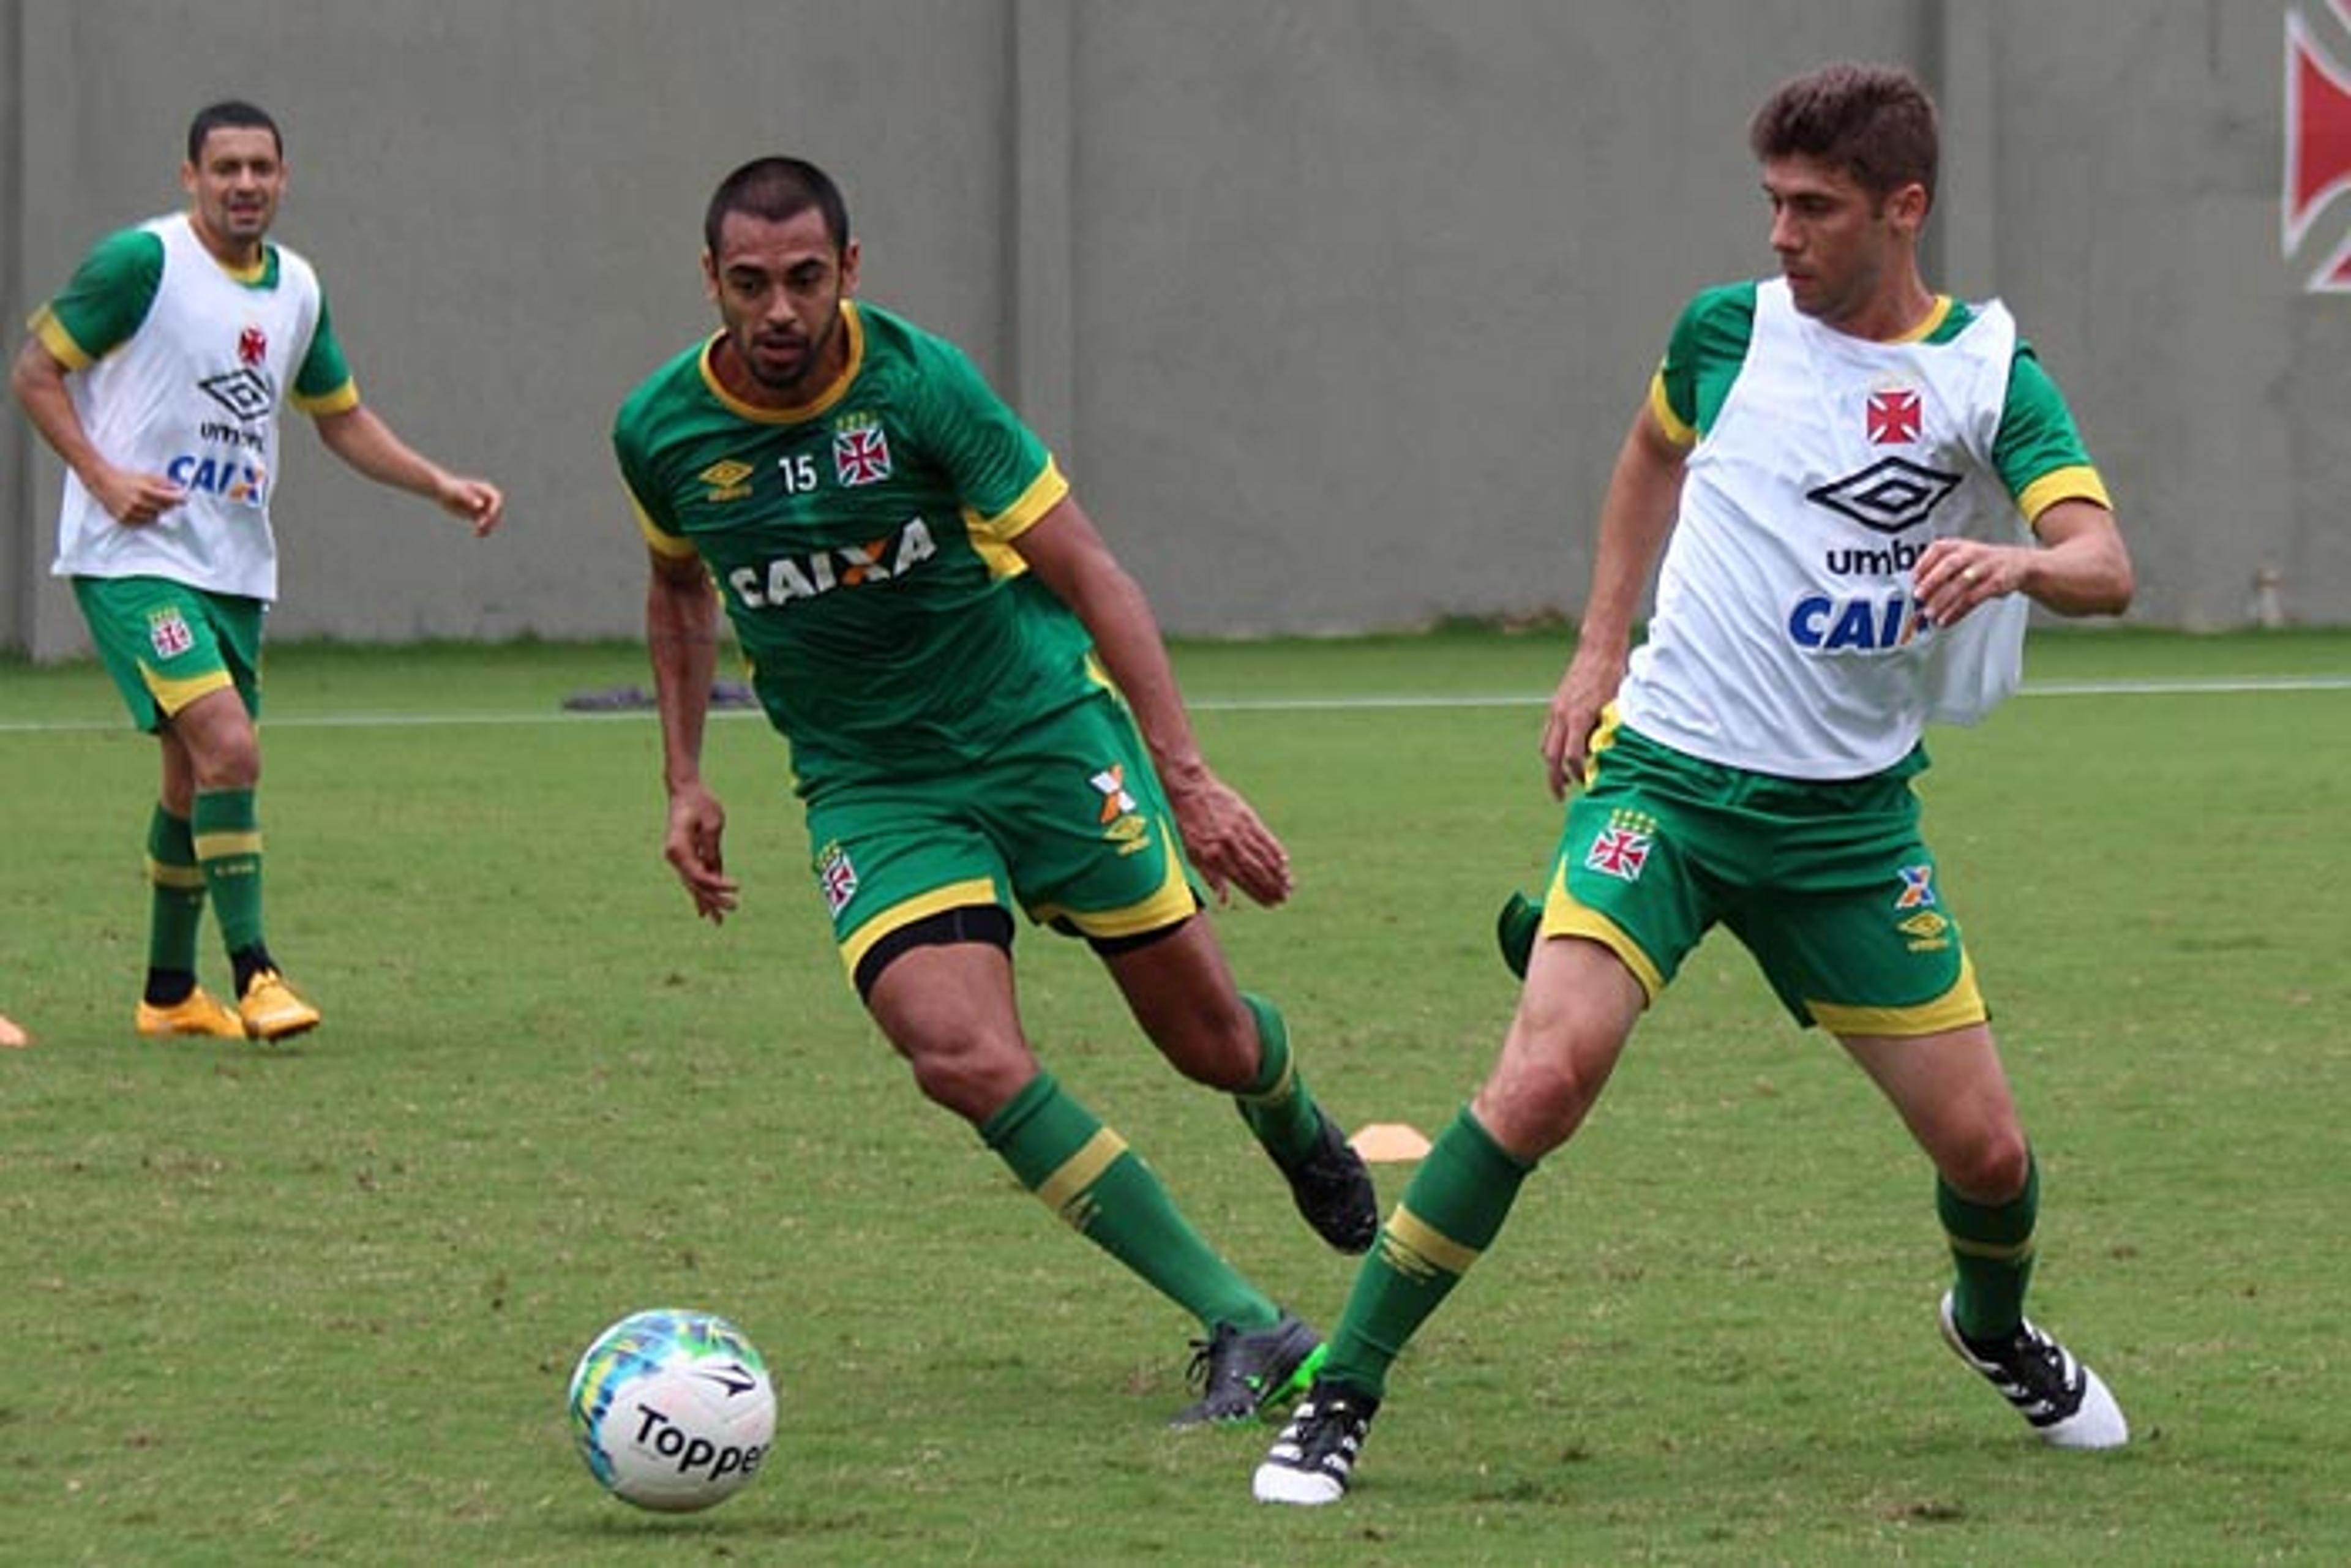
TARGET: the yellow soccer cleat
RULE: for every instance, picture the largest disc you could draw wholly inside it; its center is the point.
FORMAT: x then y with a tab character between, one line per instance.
272	1011
197	1014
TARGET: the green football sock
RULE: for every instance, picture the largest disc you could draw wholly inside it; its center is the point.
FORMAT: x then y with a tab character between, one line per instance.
227	833
1992	1248
1085	1173
177	907
1450	1212
1275	1104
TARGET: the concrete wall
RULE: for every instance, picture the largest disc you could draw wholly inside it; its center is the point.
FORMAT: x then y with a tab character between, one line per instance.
1335	309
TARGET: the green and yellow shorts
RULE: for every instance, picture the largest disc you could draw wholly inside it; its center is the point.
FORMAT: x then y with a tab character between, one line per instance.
1829	885
166	644
1066	823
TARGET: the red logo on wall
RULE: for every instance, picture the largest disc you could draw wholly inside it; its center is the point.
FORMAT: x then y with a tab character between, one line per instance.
2317	144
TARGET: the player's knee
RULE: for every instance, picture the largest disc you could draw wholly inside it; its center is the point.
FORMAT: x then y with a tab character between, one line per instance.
230	760
1218	1049
972	1075
1533	1107
1993	1168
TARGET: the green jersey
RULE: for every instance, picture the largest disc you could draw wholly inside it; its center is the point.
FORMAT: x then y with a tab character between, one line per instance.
863	546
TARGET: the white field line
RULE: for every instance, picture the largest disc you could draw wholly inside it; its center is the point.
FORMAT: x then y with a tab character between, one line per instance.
1375	704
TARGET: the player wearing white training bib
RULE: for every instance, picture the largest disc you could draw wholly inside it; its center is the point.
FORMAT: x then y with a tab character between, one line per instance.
1833	467
1788	637
185	364
158	374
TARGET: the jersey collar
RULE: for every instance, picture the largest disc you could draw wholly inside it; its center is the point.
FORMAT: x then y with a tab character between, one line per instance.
851	320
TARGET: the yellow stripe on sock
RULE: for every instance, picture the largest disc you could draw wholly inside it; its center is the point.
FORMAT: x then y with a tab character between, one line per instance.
1062	1191
185	878
1999	1252
1282	1089
220	846
1412	1246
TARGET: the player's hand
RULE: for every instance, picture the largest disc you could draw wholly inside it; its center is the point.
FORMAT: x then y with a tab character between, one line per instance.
1230	845
1953	576
135	499
1584	691
697	823
477	501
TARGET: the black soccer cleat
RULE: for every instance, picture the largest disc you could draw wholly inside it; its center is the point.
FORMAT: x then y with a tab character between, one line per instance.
1313	1460
1333	1190
2064	1401
1241	1373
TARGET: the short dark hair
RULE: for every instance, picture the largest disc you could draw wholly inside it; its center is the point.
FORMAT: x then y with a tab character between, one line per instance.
233	113
776	189
1875	123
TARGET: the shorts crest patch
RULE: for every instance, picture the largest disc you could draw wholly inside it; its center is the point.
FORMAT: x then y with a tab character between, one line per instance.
1622	848
168	634
836	878
1917	888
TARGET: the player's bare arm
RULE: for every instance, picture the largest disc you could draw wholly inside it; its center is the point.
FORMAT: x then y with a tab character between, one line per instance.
2077	566
1230	845
682	642
362	440
1644	495
130	497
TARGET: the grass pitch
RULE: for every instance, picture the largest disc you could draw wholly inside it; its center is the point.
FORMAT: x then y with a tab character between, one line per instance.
319	1303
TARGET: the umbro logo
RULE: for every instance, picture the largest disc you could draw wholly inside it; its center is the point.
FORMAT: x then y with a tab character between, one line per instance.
725	479
245	392
1892	496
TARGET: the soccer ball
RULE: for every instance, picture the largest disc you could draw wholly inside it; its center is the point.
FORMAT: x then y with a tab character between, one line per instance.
672	1410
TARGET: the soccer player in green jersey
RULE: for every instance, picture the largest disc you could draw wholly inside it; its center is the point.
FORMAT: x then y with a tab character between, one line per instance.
1835	466
158	375
983	722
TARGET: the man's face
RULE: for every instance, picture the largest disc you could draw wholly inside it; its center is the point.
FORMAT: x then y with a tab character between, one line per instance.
1836	243
779	288
234	185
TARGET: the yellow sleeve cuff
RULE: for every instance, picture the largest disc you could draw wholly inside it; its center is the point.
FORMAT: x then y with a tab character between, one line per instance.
1044	492
342	400
1661	409
59	342
2077	482
663	544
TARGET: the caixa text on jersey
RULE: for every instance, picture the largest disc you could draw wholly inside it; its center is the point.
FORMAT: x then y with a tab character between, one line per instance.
788	578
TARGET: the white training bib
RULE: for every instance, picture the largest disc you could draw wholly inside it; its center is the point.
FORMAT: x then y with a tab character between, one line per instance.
194	395
1786	639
